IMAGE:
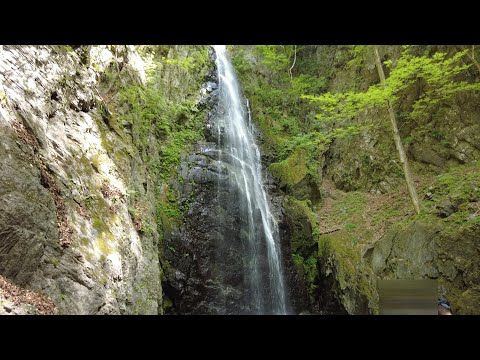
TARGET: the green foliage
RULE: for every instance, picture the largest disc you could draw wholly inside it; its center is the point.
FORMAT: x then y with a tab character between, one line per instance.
308	84
286	121
274	57
153	118
350	227
343	107
438	134
308	269
68	48
186	63
313	143
360	54
167	209
239	61
438	77
437	72
196	62
408	140
55	262
132	193
133	211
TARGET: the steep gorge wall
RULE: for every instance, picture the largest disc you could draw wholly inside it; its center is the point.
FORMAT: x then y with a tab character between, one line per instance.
79	195
107	185
66	230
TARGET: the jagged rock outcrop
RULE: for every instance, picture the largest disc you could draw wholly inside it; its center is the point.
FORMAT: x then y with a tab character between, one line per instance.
65	228
428	251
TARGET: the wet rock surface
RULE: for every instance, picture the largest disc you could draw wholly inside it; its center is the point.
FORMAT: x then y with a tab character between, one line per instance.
208	253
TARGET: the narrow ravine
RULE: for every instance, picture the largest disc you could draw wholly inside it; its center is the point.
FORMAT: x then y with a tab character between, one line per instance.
237	147
237	179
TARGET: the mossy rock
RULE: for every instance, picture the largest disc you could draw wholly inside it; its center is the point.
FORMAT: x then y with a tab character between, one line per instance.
291	170
303	226
353	284
293	176
304	233
432	248
467	302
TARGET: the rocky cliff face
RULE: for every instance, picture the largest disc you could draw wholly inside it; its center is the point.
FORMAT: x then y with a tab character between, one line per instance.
374	221
111	190
347	207
92	209
205	251
65	174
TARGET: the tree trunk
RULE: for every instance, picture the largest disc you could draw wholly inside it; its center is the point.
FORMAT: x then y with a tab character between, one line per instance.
294	60
472	57
398	142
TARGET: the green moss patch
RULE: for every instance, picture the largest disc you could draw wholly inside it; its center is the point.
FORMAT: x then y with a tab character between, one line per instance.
355	280
292	170
303	225
105	237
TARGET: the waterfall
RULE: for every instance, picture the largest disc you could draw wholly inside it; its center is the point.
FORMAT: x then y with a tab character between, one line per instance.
235	134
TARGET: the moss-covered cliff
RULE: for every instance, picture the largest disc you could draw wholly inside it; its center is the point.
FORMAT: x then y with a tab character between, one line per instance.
363	226
90	137
109	182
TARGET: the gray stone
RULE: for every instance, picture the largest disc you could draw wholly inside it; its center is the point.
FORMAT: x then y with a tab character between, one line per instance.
110	270
471	134
446	209
427	155
425	251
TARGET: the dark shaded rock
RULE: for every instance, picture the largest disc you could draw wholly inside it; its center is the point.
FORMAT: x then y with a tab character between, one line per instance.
293	226
208	271
86	105
74	106
212	246
427	155
54	96
307	189
446	209
471	134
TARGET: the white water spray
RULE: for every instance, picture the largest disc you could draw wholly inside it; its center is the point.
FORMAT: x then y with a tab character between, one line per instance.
235	129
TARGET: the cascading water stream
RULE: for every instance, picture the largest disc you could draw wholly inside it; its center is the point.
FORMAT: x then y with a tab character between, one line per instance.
237	144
